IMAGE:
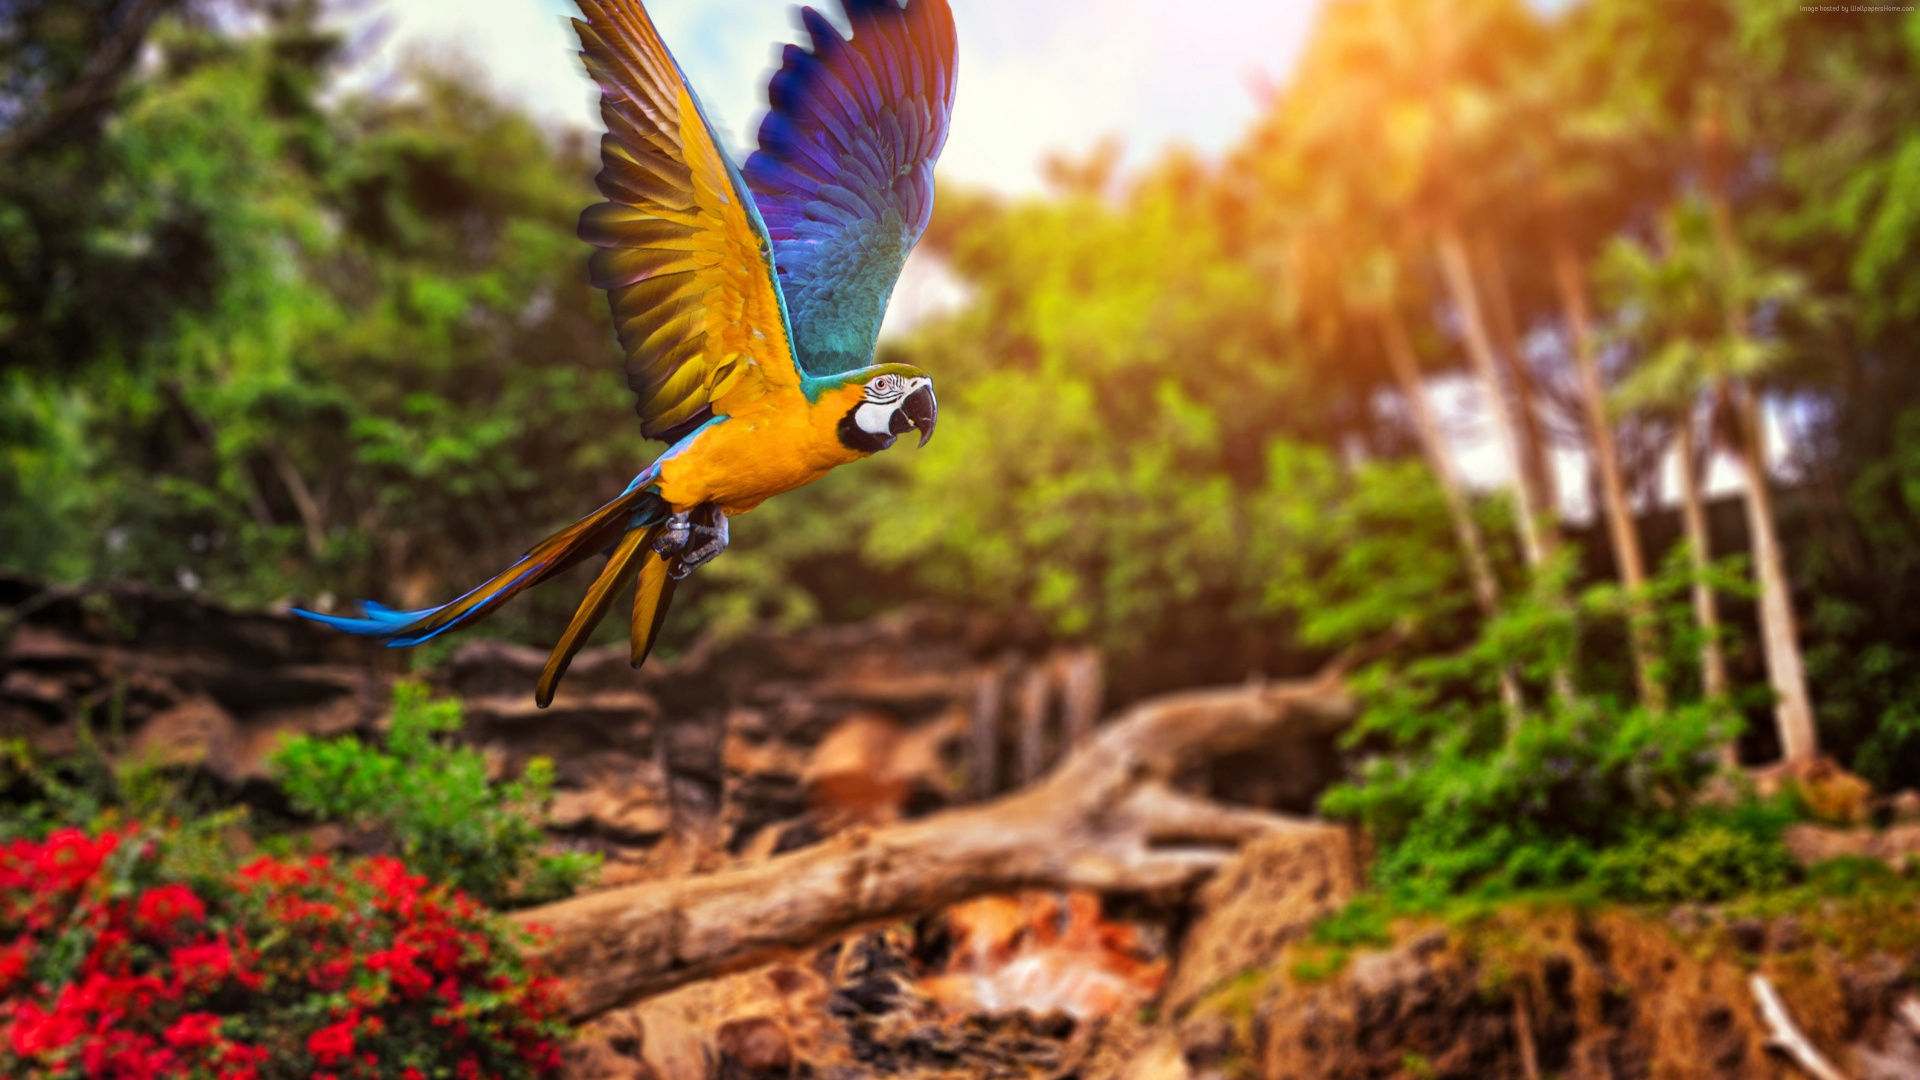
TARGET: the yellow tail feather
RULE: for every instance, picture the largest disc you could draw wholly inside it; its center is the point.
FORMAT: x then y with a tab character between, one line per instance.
650	601
591	610
557	553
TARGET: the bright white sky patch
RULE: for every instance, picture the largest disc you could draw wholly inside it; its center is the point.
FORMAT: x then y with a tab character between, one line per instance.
1036	76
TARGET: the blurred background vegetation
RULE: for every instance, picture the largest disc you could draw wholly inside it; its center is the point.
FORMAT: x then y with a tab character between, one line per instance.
268	338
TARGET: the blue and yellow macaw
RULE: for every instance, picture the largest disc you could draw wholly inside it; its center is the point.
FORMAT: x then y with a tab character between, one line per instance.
747	300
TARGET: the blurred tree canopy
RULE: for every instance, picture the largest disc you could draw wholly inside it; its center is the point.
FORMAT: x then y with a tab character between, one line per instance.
267	339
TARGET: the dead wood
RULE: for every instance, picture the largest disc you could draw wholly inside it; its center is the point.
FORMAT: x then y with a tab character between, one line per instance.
1784	1036
1107	819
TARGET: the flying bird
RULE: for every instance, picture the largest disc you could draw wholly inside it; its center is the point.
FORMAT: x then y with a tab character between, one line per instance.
747	300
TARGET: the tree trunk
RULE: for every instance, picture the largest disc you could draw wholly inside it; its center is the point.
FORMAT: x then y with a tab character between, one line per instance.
1505	329
1458	273
1706	612
1793	706
1108	819
1627	552
1537	540
1473	547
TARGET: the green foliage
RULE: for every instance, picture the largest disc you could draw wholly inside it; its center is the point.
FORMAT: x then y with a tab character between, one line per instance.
431	802
1533	810
1707	861
1463	798
1863	657
1357	552
1116	366
370	355
1674	306
1367	920
89	789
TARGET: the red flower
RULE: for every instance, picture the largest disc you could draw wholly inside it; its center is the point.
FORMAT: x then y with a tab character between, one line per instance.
69	857
193	1031
203	966
13	961
333	1043
152	995
36	1031
160	911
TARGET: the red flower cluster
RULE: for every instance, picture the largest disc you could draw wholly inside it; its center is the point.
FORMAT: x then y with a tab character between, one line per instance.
110	969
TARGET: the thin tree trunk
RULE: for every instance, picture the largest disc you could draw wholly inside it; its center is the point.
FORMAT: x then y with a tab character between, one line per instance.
1505	328
1081	689
1537	540
1627	552
1706	610
1458	272
988	697
1793	706
303	500
1486	591
1036	692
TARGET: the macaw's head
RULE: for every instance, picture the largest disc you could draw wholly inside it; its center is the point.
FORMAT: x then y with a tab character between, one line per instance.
894	399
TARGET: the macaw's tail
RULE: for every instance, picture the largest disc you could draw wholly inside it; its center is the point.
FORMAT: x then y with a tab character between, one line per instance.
629	524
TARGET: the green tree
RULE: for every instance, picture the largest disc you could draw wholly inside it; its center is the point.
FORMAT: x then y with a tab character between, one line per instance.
1674	308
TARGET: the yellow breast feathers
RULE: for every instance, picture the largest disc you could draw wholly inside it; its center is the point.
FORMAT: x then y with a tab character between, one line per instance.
783	442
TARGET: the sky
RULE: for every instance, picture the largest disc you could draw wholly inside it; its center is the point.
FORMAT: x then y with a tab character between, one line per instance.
1036	76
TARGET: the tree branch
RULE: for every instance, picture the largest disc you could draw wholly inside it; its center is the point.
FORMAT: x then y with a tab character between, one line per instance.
95	83
1106	820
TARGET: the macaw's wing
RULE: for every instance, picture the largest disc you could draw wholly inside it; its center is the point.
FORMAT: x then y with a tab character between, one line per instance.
844	173
683	255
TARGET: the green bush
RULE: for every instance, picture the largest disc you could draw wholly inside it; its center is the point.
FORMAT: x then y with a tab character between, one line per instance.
1708	861
432	804
1534	809
1464	799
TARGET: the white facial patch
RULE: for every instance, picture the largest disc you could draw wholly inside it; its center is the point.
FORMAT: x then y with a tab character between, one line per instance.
874	418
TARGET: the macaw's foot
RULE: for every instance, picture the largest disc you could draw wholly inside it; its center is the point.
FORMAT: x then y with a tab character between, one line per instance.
674	535
693	539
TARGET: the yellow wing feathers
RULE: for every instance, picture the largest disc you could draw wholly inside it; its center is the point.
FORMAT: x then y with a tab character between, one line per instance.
684	260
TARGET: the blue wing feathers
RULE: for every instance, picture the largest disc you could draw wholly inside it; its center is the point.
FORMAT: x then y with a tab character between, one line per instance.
843	177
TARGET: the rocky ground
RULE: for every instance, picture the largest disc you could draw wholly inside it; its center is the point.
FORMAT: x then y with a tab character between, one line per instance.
743	749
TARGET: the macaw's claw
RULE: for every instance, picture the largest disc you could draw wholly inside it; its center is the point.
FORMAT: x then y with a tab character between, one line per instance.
707	538
674	535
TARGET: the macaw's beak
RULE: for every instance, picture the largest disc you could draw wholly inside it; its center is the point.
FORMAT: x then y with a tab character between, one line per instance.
920	411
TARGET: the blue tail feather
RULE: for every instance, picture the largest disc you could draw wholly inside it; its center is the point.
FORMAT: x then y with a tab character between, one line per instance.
634	508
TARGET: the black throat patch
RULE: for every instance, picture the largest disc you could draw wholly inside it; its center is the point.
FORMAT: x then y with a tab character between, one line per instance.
853	438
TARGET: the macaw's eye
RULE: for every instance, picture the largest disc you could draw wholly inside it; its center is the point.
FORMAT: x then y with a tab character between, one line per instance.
885	386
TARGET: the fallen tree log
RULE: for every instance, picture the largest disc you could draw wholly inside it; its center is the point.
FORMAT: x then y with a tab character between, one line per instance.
1107	819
